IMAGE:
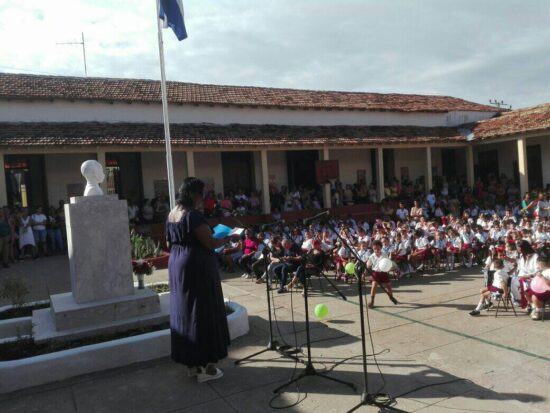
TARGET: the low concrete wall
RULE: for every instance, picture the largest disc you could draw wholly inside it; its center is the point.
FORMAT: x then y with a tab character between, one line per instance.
47	368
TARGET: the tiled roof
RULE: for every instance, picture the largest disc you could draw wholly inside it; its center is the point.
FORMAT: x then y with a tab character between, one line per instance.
515	122
208	135
23	86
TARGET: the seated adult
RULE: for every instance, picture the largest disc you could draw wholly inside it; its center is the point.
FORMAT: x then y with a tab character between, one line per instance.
312	264
290	259
250	246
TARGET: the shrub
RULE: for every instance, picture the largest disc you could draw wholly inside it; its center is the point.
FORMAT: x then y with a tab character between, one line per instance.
143	247
15	291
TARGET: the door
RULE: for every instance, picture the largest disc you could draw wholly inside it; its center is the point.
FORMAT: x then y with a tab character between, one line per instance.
448	163
301	169
237	172
26	181
488	164
534	167
123	175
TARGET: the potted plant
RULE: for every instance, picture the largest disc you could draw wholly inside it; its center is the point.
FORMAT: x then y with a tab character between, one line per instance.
141	268
145	248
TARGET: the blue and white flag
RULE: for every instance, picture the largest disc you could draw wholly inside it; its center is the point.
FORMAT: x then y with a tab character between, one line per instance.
171	12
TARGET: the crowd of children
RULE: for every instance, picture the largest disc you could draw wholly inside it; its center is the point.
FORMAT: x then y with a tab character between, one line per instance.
509	244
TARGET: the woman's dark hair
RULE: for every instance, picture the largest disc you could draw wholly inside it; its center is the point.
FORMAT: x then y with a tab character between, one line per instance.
190	186
525	247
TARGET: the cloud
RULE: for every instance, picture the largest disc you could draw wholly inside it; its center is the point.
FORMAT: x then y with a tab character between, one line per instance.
469	49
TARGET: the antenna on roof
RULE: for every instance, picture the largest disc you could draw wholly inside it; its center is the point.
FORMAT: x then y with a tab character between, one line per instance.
83	44
500	104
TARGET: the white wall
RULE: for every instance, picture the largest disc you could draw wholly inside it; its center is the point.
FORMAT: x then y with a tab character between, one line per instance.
277	168
414	159
80	111
208	167
61	170
349	161
153	167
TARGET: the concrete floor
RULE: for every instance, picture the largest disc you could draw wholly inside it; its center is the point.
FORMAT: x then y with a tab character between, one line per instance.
426	340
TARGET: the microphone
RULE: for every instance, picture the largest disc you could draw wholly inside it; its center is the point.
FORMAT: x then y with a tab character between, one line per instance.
320	215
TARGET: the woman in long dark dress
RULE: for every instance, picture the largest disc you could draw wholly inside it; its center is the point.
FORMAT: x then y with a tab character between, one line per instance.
198	322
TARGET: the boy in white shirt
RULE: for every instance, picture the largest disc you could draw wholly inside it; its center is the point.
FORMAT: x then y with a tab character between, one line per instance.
378	276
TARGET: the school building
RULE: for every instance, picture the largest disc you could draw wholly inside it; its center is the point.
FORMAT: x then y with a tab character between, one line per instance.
250	137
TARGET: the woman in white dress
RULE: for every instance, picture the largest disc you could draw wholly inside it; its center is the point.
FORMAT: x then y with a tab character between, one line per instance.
26	236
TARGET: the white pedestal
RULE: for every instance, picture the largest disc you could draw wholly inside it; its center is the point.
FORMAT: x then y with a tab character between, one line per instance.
98	241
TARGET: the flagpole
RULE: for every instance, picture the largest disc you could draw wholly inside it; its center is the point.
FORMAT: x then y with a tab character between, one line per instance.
169	163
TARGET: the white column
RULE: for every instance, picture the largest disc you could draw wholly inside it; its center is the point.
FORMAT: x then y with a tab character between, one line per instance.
102	160
380	173
470	166
3	190
522	166
429	178
327	199
190	156
266	202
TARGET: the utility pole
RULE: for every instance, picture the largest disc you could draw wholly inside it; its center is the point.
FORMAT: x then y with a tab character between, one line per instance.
500	104
83	44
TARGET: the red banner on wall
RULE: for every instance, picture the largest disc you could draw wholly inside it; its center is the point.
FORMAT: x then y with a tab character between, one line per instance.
326	170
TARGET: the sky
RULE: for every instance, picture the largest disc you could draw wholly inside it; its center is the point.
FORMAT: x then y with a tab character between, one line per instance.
472	49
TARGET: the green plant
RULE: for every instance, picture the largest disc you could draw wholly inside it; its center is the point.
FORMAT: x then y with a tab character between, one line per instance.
144	247
15	291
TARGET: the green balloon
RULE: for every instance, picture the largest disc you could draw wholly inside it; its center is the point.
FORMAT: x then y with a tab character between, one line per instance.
350	268
321	311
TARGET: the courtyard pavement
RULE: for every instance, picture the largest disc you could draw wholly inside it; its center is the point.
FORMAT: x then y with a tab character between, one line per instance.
491	364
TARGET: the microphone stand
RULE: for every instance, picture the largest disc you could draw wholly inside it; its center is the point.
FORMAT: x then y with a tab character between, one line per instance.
367	399
310	370
272	345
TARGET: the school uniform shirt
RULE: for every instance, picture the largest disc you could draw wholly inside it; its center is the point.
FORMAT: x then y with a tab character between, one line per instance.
364	255
541	236
387	249
374	260
527	267
343	252
500	277
421	243
456	242
481	237
466	237
440	244
403	248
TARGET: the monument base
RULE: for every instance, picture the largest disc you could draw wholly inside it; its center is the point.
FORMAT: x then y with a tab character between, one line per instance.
68	320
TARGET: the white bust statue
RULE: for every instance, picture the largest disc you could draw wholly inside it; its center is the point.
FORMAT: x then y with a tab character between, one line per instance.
93	172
